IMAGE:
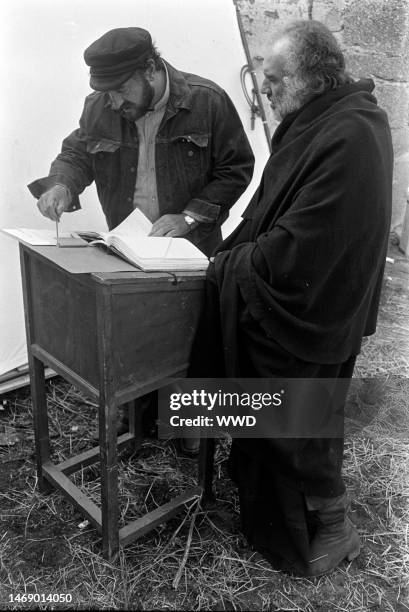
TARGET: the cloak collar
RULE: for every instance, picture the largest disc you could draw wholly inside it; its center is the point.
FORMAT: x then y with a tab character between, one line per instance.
295	123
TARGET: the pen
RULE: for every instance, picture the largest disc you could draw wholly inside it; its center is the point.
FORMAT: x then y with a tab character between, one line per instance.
56	231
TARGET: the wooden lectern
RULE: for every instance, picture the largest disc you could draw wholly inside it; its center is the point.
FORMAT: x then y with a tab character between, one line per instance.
116	334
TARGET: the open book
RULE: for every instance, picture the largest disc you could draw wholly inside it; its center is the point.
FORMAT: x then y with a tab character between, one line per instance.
130	240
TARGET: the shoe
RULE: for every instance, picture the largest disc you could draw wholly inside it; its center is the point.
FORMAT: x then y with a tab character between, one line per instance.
189	446
336	538
331	545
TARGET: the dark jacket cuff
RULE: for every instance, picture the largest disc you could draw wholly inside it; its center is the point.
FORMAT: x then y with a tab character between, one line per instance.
202	211
40	186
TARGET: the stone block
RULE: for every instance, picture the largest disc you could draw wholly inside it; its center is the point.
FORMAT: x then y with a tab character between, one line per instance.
394	99
400	140
400	190
361	63
329	12
262	19
404	239
377	24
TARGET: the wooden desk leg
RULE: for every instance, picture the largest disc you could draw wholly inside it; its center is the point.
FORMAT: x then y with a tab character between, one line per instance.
42	439
109	477
206	465
135	423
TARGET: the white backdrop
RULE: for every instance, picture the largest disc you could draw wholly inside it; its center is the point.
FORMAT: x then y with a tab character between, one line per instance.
44	82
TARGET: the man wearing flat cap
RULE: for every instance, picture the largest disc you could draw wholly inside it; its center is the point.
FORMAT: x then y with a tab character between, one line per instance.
151	137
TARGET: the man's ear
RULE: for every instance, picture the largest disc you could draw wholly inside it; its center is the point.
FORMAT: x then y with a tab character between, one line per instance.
150	70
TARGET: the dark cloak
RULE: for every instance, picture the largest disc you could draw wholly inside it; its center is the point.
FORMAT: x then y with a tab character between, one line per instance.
292	292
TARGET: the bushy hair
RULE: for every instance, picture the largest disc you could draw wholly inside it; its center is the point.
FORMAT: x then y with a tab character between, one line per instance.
314	57
156	56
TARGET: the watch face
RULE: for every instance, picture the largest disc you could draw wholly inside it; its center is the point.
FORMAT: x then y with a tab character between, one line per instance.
189	220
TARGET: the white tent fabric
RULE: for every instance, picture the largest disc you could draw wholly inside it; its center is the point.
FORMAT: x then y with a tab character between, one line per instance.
44	81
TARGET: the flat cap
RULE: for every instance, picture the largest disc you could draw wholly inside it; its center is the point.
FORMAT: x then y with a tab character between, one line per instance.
115	56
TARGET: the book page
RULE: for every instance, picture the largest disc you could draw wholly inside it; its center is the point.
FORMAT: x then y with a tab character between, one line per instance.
136	223
36	237
143	247
159	253
157	247
130	239
181	248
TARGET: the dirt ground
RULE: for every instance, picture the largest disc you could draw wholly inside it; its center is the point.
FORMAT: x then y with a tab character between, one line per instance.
199	560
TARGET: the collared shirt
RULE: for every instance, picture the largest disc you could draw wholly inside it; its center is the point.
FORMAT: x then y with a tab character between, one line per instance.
145	195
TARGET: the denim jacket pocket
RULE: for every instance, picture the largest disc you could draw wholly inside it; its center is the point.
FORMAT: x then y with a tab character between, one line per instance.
105	157
102	146
200	140
192	154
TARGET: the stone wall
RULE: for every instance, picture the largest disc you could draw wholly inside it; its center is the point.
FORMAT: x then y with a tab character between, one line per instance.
374	35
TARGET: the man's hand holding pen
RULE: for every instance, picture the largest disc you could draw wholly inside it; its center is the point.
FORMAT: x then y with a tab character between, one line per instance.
54	202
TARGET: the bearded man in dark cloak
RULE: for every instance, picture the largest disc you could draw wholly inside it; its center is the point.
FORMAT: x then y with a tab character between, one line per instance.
293	290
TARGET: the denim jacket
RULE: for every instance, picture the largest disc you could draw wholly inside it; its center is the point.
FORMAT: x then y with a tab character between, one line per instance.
203	159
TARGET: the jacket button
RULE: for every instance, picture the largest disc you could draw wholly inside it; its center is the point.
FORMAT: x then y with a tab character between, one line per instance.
132	168
190	153
129	199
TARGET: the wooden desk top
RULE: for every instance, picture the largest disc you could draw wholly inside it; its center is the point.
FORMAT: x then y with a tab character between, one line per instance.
103	265
82	260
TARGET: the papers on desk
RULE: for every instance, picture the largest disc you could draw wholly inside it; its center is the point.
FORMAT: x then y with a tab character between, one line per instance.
36	237
43	237
129	240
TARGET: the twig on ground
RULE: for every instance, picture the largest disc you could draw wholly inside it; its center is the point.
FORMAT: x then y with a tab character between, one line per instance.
178	576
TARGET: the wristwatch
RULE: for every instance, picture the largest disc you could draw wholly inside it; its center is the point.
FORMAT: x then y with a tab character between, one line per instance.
189	221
